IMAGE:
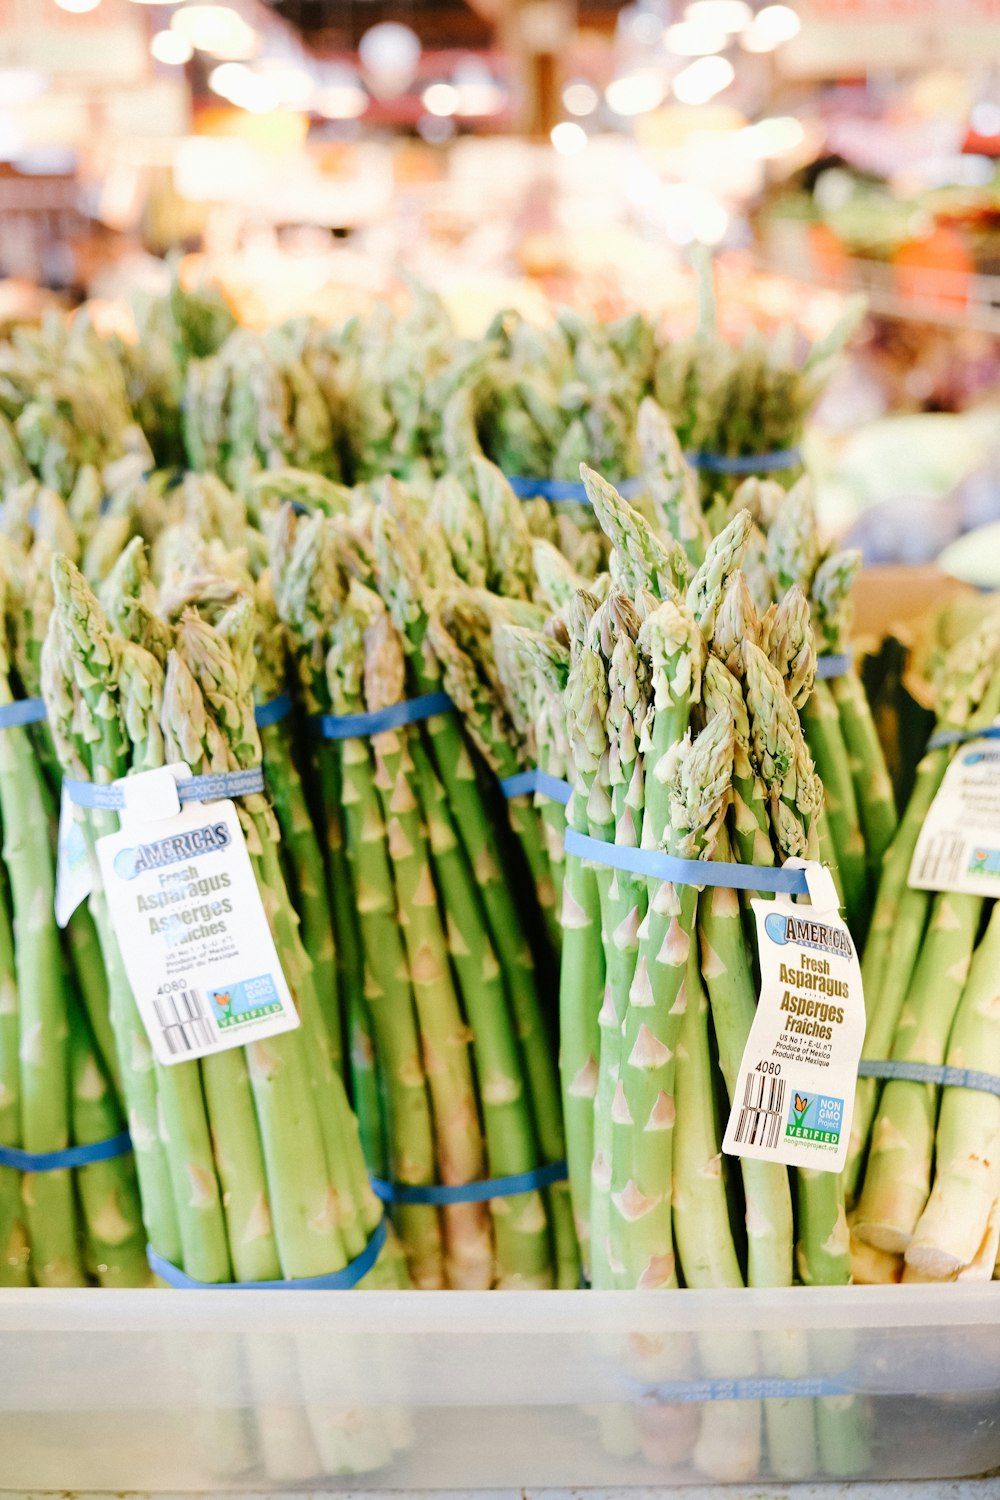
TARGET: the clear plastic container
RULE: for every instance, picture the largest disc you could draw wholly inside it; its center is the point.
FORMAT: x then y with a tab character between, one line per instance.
174	1391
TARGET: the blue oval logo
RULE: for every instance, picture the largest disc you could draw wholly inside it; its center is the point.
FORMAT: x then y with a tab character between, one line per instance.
776	927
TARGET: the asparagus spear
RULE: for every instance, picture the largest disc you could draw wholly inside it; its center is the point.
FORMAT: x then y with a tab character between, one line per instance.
643	1145
44	997
15	1245
951	1229
897	1179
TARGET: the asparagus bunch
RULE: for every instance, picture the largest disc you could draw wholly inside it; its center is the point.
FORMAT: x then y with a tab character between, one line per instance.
739	400
399	388
60	1085
170	329
922	1164
445	969
255	405
784	550
264	1133
551	398
682	714
63	404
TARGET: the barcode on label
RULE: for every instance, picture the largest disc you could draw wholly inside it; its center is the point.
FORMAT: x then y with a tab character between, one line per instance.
183	1022
942	861
762	1111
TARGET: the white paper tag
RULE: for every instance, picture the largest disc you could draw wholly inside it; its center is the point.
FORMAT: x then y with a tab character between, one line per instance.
959	844
794	1095
194	937
76	876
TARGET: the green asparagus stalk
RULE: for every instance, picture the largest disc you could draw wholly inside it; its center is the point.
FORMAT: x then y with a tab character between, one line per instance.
15	1246
897	1179
952	1226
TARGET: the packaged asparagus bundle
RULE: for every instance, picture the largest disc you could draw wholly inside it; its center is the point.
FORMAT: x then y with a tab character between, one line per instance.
923	1151
247	1154
445	968
692	780
69	1204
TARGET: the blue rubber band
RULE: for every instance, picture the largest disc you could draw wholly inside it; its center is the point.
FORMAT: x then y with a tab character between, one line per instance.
73	1156
361	726
744	1388
24	711
566	489
945	737
660	866
835	664
944	1077
273	712
440	1195
746	463
190	789
335	1281
537	781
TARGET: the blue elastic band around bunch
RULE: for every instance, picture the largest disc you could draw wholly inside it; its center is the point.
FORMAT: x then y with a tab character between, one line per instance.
835	664
700	872
746	463
536	780
190	789
361	726
24	711
440	1195
72	1156
945	737
938	1073
336	1281
741	1388
566	489
274	711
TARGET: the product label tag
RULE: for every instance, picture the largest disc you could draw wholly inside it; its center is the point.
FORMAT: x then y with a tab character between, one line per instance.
959	844
75	873
194	937
794	1096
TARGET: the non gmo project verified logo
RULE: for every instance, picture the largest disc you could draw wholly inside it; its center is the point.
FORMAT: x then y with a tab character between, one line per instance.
816	1118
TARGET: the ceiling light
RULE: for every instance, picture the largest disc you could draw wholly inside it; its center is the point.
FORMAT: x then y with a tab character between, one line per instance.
440	99
170	47
770	27
580	97
636	93
389	55
568	138
701	80
241	86
78	7
217	30
692	39
726	15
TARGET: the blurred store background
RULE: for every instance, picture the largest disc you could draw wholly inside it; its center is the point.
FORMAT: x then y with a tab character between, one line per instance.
313	156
